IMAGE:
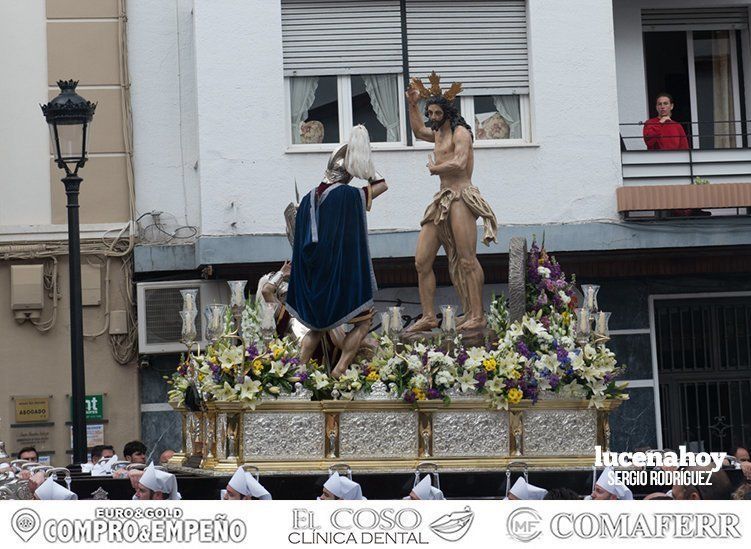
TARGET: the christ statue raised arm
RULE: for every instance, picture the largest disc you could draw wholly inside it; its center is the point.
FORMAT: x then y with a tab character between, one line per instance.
450	219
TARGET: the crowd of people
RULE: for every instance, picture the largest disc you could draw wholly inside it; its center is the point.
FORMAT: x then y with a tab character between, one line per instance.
155	482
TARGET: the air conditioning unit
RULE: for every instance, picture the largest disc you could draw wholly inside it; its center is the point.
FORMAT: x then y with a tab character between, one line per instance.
159	306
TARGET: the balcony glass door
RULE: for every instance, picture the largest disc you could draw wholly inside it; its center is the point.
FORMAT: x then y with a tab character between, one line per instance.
700	70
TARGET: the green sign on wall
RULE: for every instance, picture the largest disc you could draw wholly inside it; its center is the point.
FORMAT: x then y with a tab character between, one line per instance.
93	406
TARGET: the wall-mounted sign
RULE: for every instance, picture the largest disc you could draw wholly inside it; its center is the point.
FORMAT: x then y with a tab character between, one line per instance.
94	434
39	438
32	409
93	407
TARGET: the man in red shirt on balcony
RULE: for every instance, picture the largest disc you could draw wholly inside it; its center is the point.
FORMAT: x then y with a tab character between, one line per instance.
661	132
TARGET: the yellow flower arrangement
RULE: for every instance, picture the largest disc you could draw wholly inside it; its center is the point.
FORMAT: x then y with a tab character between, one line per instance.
373	376
419	393
514	374
257	367
277	351
566	318
515	395
490	364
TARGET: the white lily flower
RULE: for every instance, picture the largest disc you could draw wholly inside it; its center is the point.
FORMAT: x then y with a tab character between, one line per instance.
589	352
321	380
495	385
514	331
224	393
475	356
420	348
466	382
537	328
231	356
248	389
278	369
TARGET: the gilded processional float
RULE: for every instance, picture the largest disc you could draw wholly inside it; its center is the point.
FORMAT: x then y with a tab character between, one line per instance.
537	389
299	383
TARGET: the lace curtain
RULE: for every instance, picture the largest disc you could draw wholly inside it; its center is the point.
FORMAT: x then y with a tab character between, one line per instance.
508	107
302	92
383	90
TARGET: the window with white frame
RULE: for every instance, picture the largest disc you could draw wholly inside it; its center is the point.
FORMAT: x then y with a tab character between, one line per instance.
357	46
323	108
314	109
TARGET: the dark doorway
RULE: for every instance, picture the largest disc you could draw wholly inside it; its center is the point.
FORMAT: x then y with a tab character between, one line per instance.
666	55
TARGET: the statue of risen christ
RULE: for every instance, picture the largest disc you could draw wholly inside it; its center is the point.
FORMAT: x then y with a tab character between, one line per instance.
450	220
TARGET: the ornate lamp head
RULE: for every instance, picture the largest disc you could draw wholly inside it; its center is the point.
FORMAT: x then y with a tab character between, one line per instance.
69	118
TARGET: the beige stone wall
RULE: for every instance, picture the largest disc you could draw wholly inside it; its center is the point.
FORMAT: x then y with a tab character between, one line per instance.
83	43
38	364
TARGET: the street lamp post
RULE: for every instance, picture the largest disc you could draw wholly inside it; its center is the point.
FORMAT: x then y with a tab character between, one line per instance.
69	117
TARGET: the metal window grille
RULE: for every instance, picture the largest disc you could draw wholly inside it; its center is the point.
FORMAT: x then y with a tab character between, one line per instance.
704	364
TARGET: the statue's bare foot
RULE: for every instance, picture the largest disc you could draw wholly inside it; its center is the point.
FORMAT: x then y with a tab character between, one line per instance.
425	324
337	372
460	320
473	324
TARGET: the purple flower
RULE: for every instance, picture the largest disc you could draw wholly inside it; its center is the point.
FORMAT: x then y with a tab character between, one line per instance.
482	379
554	380
425	359
523	350
252	351
433	393
409	396
462	357
608	378
545	321
303	376
562	355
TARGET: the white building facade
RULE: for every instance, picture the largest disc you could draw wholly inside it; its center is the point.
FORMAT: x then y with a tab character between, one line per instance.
237	102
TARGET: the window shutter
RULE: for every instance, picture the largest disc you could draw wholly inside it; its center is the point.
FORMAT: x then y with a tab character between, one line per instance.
480	43
694	19
341	37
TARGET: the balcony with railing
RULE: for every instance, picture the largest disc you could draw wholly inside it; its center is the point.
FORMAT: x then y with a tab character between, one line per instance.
708	175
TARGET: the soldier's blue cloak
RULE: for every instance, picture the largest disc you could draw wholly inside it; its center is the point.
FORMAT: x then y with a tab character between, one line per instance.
332	279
